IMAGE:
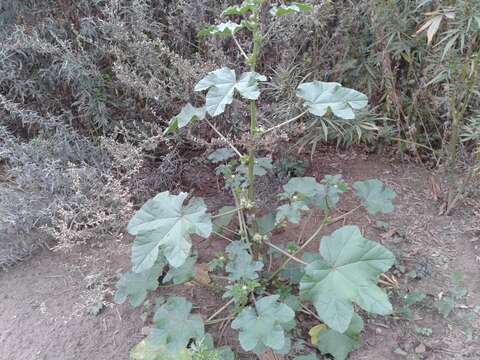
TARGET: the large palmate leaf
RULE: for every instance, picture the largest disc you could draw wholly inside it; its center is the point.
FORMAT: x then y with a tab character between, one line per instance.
164	224
228	28
319	97
260	168
221	85
376	197
135	286
347	273
223	218
182	274
307	357
247	85
265	224
144	350
295	7
241	265
324	196
340	345
188	114
205	350
334	187
240	292
303	185
290	212
264	326
174	326
247	6
221	155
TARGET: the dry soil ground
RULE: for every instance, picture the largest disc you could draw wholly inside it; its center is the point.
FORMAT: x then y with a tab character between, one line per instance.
59	306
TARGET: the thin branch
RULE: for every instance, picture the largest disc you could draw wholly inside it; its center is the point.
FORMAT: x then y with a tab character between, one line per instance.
241	223
415	143
309	312
326	221
212	322
286	253
219	311
222	236
240	48
223	138
233	232
286	122
225	213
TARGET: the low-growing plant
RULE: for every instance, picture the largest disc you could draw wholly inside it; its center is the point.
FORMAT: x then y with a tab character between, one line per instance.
341	277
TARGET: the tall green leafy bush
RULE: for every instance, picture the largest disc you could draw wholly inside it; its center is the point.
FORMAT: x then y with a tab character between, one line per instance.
342	273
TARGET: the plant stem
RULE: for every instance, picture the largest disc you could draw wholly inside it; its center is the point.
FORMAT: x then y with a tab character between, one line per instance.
326	221
240	47
285	122
222	236
212	322
219	311
252	61
285	253
458	114
224	138
225	213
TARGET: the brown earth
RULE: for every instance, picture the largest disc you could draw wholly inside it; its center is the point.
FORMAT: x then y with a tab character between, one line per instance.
49	303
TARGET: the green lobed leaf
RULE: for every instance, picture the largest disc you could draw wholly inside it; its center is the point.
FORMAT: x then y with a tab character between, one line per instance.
293	272
347	273
221	155
264	326
183	273
135	286
174	326
290	212
266	223
146	351
307	357
293	302
217	263
240	264
320	97
340	345
323	196
260	168
303	185
246	7
221	85
445	306
228	28
247	86
375	196
414	298
206	350
295	7
221	220
239	292
188	114
334	187
163	226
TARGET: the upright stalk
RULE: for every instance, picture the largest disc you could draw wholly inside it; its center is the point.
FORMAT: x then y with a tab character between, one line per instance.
252	62
459	106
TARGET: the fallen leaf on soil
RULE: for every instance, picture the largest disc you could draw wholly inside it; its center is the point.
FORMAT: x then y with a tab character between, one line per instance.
201	275
315	331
